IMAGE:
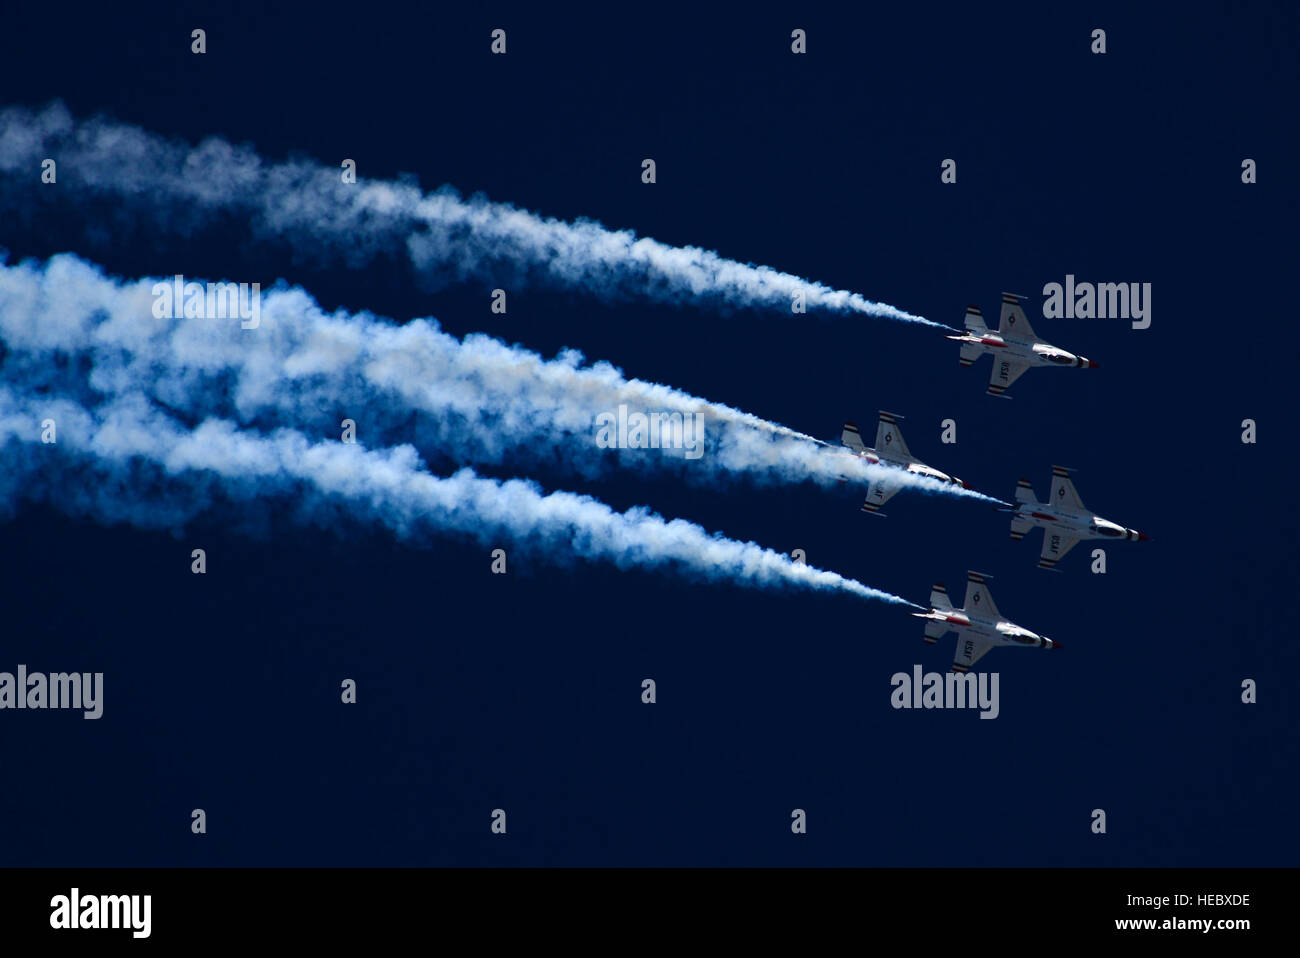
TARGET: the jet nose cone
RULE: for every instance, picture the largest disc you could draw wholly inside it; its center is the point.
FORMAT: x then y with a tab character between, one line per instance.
1143	537
1052	643
1091	364
964	484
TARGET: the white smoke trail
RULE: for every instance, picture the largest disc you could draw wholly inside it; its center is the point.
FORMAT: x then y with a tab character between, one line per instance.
127	461
477	401
445	237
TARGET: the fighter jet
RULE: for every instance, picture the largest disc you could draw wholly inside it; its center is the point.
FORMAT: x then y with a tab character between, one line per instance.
979	626
1015	346
1064	519
892	450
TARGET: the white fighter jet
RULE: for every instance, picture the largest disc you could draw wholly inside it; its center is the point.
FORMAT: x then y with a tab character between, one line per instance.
891	450
1063	518
1015	346
979	626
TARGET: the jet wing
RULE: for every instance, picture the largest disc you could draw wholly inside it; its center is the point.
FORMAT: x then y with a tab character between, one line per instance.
1064	494
889	440
1055	545
1005	372
1013	323
978	600
970	649
878	493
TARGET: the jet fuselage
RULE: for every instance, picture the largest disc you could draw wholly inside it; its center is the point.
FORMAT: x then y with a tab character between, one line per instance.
1082	525
998	631
1034	354
916	468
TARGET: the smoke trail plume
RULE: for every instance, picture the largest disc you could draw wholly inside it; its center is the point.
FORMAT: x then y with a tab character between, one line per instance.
176	188
128	461
66	327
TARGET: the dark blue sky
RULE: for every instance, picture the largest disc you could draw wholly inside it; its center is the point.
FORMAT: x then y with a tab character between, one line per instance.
522	692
